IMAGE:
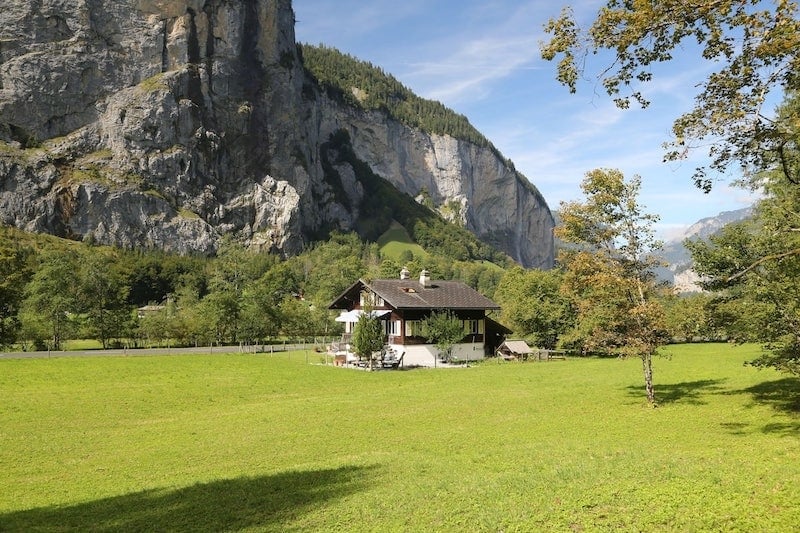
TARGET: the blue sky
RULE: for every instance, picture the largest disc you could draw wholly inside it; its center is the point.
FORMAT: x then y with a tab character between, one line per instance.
481	58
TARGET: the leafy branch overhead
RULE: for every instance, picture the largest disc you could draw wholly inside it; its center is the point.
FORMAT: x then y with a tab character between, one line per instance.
754	266
753	45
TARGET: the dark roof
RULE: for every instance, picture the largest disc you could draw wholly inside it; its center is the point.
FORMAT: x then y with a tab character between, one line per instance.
410	294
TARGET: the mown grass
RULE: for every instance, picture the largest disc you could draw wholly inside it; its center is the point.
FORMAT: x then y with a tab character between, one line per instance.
396	240
270	443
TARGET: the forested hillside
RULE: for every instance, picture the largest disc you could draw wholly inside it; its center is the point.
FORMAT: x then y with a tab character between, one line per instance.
53	290
366	86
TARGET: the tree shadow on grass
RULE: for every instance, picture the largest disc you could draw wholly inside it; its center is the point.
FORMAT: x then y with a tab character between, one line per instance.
783	394
690	392
269	503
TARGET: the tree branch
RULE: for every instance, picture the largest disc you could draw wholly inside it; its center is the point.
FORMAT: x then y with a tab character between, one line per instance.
771	257
785	165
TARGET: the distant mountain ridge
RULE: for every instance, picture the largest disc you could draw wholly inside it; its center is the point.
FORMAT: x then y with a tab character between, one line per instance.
679	270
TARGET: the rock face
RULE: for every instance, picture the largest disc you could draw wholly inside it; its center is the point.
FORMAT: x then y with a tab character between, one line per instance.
168	123
679	270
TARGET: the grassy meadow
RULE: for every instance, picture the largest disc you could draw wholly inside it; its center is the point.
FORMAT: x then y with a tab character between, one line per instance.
270	443
396	240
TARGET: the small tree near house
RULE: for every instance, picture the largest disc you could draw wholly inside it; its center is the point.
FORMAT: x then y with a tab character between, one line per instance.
443	329
367	337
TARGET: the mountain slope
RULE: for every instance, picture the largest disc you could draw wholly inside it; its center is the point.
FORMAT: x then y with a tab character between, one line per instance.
167	123
679	270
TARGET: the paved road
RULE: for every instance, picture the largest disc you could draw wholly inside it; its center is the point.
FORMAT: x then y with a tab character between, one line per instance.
157	351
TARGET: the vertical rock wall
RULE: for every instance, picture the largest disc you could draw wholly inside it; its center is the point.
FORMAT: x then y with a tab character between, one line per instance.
168	123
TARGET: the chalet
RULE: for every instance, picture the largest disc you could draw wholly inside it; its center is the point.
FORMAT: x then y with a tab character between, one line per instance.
401	304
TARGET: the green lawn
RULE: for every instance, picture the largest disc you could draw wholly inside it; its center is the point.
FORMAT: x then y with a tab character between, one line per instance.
396	240
270	443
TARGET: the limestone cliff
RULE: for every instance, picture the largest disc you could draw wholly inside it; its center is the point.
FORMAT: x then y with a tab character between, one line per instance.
169	123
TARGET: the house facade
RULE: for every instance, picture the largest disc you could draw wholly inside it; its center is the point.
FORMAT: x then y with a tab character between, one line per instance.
402	304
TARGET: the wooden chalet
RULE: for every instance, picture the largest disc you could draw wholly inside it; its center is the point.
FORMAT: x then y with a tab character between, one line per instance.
401	304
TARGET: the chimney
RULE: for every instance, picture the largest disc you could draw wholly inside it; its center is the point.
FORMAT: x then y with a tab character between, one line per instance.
405	274
424	279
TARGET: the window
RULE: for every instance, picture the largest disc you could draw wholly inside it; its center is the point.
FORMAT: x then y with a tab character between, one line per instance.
370	298
473	327
413	328
393	327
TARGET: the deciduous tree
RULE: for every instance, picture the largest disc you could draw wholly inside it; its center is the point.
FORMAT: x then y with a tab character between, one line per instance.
534	306
609	276
368	336
688	317
443	329
754	269
14	274
52	298
103	294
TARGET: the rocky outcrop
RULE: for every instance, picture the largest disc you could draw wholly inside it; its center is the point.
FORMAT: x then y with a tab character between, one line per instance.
168	123
477	189
679	264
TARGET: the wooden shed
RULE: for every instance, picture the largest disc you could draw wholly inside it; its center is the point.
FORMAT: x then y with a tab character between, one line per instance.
514	350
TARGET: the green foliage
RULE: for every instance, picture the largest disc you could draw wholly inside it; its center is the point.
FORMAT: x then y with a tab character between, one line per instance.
153	275
368	336
397	244
755	47
398	250
237	296
609	276
103	294
534	307
52	299
755	266
243	442
443	329
689	317
388	269
328	268
157	328
15	272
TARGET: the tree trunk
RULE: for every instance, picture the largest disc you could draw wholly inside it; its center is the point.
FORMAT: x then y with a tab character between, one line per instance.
647	368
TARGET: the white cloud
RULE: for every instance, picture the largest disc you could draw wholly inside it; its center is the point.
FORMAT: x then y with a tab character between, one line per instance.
470	72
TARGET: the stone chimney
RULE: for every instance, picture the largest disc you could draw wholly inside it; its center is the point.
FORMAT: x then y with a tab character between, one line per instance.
405	274
424	279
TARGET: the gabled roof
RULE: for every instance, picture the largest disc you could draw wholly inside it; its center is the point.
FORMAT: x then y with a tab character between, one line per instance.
520	347
411	294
